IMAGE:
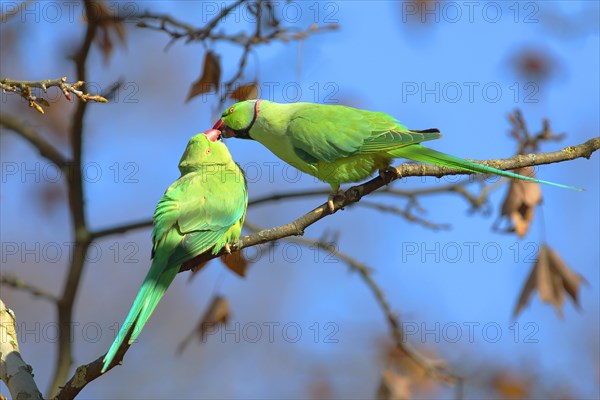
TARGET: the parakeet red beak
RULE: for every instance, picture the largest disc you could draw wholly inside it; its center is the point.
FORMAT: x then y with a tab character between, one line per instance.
226	131
213	134
219	124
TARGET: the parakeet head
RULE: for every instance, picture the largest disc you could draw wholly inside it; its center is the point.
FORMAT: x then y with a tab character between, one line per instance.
237	120
204	149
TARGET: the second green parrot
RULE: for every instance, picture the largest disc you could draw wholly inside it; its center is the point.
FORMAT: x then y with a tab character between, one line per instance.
339	144
201	211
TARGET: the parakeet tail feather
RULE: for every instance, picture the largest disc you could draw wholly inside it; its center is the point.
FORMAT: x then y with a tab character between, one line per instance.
423	154
153	288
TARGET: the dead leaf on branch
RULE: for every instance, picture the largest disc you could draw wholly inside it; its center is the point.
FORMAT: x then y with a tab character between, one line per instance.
100	13
236	262
420	380
245	92
211	76
552	278
393	386
216	314
520	201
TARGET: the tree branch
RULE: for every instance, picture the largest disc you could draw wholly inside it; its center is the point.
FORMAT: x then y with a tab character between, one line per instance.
77	207
17	283
121	229
46	149
181	30
16	373
23	89
404	213
431	367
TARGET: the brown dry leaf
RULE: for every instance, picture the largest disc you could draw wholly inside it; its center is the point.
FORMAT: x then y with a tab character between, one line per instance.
511	386
520	201
236	262
552	278
393	386
215	315
420	379
211	76
245	92
100	12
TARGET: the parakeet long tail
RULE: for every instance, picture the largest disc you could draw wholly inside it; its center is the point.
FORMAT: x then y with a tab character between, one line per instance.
420	153
153	288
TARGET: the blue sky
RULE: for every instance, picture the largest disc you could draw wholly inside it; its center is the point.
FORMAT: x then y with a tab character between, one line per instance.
374	61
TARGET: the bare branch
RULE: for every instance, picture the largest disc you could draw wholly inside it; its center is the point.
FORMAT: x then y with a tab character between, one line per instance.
46	149
121	229
433	368
181	30
17	283
16	373
528	142
23	89
86	373
404	213
77	207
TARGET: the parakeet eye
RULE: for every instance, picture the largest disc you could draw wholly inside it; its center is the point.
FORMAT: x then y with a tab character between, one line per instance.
208	151
231	110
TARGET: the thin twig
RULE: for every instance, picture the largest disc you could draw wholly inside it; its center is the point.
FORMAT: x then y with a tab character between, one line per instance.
46	149
404	213
431	367
18	283
121	229
23	89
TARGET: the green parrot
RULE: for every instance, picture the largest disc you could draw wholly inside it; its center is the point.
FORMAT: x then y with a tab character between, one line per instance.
339	144
202	211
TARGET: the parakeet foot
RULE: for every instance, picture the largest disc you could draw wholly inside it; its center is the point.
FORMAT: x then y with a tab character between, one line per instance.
227	248
332	196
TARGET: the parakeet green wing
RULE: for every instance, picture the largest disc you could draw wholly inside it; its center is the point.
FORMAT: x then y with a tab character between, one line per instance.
329	133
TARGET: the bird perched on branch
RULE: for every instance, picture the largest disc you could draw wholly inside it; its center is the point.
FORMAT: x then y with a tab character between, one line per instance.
339	144
201	211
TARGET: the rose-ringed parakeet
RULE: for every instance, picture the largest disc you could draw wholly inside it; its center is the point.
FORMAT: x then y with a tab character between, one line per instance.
339	144
201	211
